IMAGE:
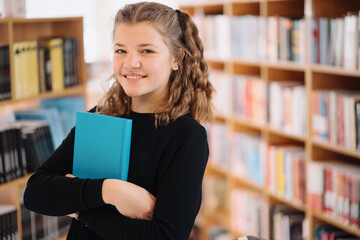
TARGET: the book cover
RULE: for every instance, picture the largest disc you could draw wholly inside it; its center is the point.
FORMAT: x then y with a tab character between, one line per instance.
102	146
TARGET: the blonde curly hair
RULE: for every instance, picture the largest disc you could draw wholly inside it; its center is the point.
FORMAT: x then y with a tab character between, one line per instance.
189	88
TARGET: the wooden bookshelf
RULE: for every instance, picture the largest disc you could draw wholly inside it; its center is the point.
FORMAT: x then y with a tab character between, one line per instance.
32	29
312	76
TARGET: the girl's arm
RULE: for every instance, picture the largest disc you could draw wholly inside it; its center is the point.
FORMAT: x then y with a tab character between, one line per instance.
49	192
177	203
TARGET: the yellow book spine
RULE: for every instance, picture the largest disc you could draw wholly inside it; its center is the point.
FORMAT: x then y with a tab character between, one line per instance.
17	69
280	171
57	60
34	68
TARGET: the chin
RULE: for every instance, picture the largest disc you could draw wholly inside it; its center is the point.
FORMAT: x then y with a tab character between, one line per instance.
133	94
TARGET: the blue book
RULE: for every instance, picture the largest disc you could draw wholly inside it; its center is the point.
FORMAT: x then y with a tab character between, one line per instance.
67	108
102	146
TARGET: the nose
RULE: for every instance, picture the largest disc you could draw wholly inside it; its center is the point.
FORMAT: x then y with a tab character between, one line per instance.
132	60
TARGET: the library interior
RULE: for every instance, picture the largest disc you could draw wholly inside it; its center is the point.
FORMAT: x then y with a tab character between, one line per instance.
284	145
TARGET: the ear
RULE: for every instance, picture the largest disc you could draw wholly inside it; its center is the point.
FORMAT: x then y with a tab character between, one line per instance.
175	65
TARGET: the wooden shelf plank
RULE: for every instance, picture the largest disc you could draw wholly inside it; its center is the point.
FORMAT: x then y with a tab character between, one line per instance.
15	183
286	65
218	170
337	149
328	69
71	91
286	135
248	123
292	203
336	223
247	184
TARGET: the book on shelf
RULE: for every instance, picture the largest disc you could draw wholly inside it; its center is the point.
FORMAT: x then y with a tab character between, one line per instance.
286	223
5	88
248	97
335	41
39	66
215	32
248	37
67	108
249	212
285	39
287	108
222	82
285	169
330	232
103	151
26	75
219	145
215	193
54	63
8	222
247	157
24	145
335	117
334	190
50	115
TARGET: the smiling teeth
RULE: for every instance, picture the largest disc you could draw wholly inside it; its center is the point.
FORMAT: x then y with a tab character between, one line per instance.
134	77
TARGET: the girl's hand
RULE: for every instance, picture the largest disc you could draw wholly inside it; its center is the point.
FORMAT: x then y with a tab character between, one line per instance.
72	215
129	199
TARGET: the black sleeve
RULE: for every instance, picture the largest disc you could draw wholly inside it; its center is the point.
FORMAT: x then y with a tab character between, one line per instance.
177	204
49	192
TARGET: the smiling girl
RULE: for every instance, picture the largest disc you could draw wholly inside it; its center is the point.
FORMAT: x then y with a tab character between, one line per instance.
161	83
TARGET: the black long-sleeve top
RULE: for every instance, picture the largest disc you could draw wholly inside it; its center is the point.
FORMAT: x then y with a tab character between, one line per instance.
168	161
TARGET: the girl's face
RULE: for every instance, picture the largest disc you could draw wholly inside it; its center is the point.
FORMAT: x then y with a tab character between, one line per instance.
142	64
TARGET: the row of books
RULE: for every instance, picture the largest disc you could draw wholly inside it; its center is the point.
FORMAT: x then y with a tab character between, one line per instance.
24	145
44	65
285	40
247	98
5	88
287	107
8	222
219	144
249	213
334	190
243	96
247	157
326	232
279	168
335	41
286	223
253	38
215	194
336	118
285	170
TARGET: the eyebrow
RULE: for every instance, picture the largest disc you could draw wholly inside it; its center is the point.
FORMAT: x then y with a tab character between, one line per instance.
141	45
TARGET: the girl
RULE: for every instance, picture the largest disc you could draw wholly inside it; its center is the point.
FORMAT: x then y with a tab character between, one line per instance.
161	83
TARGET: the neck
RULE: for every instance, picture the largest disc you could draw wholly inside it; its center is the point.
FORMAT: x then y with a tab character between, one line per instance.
143	106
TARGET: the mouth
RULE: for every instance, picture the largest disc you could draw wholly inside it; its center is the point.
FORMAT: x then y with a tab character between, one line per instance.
134	77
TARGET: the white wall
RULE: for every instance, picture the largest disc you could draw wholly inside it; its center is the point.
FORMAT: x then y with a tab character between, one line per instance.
98	15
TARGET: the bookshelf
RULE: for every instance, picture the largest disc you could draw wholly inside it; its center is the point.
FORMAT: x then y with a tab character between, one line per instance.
312	76
14	30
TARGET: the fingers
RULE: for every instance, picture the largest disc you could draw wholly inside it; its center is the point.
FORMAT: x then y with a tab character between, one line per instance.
69	175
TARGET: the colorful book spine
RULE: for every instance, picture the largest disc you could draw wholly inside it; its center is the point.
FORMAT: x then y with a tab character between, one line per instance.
334	190
335	117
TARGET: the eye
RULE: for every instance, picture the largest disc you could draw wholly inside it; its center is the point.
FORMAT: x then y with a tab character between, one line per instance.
120	51
148	51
